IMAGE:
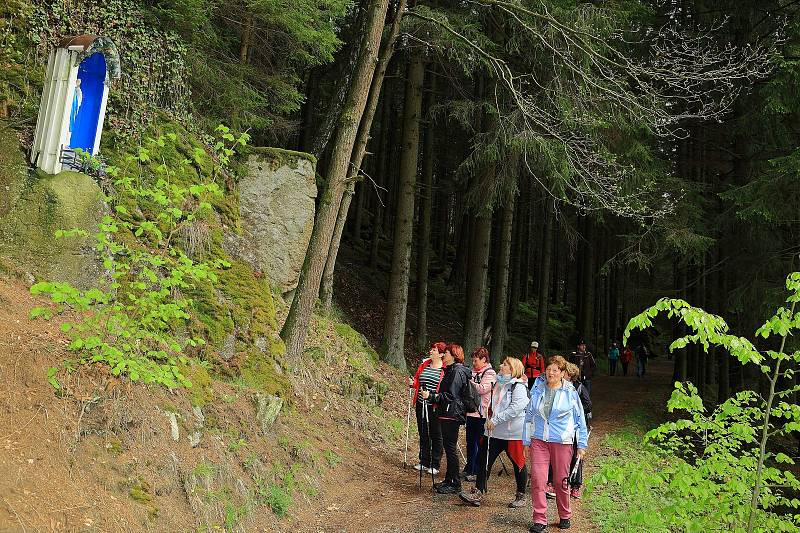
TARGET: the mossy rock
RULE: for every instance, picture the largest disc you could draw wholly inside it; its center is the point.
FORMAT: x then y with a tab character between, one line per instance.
281	157
277	210
34	205
262	372
201	391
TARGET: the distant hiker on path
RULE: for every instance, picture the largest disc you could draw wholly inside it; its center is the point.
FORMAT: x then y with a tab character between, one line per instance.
585	362
428	377
625	359
613	356
533	361
503	433
642	355
483	376
552	418
451	404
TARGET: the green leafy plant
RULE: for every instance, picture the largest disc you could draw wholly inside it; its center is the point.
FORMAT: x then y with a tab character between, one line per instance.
51	377
135	320
279	499
332	458
724	475
92	165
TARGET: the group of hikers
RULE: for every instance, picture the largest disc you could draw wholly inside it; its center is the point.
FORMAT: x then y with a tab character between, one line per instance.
625	357
537	411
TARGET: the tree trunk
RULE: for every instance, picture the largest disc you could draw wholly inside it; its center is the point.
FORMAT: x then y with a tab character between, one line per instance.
444	227
394	326
499	326
296	326
326	289
383	162
359	217
247	33
491	275
353	66
423	248
516	246
724	383
556	290
527	244
458	273
587	296
477	270
359	151
544	274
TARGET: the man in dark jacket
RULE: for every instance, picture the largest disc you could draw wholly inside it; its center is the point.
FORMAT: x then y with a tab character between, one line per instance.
642	355
585	363
455	392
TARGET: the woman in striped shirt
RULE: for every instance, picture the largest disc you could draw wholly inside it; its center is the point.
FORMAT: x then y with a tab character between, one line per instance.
428	377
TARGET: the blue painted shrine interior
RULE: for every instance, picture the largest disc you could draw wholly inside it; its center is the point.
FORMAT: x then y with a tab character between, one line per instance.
85	113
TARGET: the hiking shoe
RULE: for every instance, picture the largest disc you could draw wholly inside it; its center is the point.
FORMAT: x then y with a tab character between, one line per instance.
447	487
473	497
550	491
575	493
563	523
470	477
537	528
433	471
519	501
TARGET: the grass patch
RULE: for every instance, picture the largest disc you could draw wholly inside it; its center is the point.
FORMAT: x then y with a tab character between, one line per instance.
624	494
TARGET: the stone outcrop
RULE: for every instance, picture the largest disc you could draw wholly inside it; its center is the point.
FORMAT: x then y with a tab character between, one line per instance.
277	214
34	206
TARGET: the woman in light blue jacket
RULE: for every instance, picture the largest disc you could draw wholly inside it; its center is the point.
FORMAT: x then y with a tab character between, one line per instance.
503	432
552	420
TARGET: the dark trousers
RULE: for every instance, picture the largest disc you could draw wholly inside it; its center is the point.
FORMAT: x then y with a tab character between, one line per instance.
450	441
624	368
641	368
495	447
435	442
612	366
474	434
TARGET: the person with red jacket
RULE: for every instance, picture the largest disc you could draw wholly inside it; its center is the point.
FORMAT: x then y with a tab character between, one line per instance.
428	377
533	362
625	359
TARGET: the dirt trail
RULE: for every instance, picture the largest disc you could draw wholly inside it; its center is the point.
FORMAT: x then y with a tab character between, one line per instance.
379	495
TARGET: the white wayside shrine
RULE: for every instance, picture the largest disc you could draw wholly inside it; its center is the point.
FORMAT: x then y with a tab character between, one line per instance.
74	100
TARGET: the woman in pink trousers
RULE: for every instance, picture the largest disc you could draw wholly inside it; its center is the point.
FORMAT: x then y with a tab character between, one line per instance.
552	420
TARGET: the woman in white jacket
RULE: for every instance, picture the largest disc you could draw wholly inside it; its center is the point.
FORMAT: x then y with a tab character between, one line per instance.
504	426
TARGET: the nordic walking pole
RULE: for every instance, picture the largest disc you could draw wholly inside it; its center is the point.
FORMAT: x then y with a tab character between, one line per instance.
408	425
489	434
463	457
503	465
430	449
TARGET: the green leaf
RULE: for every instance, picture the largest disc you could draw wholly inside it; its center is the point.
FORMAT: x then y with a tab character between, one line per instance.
51	378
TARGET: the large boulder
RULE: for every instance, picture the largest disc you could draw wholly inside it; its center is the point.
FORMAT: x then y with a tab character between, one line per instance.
34	205
277	214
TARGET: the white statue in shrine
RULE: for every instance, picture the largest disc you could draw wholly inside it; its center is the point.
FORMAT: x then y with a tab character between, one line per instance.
74	99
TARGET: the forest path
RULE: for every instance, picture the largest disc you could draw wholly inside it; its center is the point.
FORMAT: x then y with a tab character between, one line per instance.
379	495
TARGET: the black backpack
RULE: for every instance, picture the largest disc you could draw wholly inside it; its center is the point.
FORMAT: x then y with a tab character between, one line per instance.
472	401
